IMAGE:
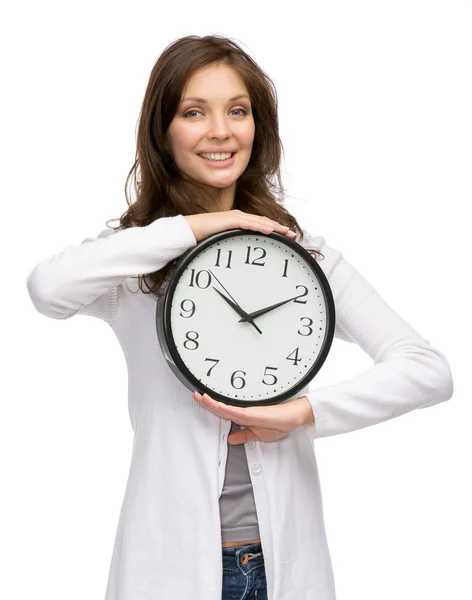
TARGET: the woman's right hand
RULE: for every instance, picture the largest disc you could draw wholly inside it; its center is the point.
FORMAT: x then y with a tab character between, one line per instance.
205	224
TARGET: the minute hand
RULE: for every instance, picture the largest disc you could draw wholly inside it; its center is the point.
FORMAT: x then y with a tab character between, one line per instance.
258	313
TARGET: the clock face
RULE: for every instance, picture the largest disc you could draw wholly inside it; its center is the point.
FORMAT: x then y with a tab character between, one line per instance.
217	349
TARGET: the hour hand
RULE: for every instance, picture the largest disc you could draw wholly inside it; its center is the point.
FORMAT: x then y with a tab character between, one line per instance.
262	311
238	309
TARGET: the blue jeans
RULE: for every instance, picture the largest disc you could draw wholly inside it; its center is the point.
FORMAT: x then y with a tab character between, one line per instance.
244	575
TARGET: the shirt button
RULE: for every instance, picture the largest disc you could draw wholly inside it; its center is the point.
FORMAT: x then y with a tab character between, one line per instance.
256	469
251	444
223	439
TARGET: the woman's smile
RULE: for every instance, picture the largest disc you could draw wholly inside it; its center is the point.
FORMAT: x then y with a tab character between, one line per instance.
219	163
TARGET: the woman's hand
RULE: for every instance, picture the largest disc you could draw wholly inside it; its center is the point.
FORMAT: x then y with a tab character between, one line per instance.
205	224
263	423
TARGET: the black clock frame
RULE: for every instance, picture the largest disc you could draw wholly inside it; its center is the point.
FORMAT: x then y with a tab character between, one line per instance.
166	339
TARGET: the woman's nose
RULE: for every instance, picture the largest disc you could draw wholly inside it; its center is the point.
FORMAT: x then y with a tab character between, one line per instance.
219	126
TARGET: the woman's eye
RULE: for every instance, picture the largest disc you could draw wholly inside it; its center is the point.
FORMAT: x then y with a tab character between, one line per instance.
197	111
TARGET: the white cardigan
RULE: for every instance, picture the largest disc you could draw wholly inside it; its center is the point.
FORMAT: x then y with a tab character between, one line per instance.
170	507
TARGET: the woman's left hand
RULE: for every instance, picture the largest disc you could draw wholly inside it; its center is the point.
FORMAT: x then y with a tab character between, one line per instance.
263	423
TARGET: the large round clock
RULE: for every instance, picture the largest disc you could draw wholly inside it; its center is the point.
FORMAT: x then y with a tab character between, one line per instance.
247	318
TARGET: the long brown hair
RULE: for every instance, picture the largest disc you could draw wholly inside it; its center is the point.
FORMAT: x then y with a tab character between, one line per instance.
159	186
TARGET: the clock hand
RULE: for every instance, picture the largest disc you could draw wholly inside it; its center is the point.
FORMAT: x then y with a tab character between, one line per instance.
239	310
258	313
236	306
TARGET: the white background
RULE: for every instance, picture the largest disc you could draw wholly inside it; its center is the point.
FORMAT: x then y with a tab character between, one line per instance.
375	116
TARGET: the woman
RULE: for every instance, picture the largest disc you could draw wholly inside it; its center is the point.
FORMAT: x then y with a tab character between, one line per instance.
212	511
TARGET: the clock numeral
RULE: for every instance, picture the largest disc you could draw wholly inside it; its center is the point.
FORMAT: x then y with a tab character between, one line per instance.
191	310
310	323
285	268
191	340
234	376
301	295
296	360
217	264
216	362
270	375
197	279
254	262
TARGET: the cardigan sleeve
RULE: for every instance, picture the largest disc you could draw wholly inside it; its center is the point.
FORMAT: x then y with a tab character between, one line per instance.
87	279
408	372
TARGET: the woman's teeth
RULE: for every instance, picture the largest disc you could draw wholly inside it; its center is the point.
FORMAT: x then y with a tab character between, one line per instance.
217	156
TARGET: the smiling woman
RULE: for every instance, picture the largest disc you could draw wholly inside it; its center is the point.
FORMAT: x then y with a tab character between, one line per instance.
205	477
206	96
222	129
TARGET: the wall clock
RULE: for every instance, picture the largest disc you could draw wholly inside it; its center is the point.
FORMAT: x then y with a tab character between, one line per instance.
247	318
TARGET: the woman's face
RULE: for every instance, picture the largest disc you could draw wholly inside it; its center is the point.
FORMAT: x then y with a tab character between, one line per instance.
216	124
